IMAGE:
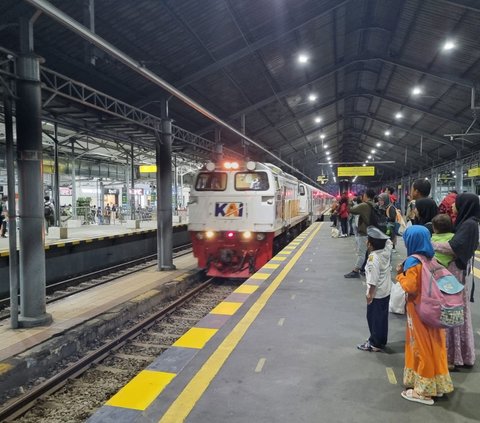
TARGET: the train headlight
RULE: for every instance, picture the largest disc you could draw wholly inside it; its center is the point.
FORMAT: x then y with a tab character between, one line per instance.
210	166
199	235
230	235
251	165
209	234
246	235
261	236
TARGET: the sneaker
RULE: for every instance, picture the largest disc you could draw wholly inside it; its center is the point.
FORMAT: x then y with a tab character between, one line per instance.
352	274
366	346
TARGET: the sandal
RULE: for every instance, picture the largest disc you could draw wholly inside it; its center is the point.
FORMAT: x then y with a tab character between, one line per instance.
411	395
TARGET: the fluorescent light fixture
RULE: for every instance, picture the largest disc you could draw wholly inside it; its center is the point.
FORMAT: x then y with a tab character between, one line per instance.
354	179
426	178
416	90
366	161
318	119
449	45
331	165
328	153
399	115
387	133
303	58
373	151
379	144
322	136
312	97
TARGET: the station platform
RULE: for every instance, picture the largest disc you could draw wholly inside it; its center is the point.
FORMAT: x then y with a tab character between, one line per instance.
282	348
90	233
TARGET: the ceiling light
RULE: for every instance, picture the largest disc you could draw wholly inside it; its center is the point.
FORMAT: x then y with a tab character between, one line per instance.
322	136
303	58
398	115
387	133
331	165
327	153
449	45
369	157
379	144
364	165
318	119
312	97
373	151
416	91
366	161
325	146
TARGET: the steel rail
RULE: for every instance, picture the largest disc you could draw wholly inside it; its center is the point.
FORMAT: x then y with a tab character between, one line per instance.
27	401
136	66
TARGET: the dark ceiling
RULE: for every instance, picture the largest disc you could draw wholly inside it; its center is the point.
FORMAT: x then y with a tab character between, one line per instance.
239	57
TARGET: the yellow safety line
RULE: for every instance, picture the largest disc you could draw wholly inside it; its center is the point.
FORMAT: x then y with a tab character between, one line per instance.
391	376
183	405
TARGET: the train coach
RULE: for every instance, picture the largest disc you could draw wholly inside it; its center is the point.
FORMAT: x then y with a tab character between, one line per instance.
240	214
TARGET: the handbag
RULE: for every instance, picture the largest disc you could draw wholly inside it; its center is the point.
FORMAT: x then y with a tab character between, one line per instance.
397	299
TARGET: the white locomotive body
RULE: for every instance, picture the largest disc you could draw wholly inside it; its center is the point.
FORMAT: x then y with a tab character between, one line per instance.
240	214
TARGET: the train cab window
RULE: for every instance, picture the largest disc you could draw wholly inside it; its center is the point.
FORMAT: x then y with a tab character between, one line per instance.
251	181
301	189
211	181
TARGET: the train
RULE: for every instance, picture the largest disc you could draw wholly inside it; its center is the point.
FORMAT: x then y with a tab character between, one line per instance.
241	214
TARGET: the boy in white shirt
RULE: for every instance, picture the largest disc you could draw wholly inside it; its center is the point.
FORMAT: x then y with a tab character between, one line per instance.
379	284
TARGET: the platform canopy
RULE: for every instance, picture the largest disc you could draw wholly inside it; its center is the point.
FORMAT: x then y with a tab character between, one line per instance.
364	80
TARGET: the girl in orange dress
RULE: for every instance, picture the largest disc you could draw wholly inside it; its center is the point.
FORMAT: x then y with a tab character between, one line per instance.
426	369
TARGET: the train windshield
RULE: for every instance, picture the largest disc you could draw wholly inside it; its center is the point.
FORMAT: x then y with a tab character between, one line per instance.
211	181
251	181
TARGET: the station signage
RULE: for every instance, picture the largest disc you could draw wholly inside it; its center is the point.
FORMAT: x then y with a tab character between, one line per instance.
65	191
322	179
135	191
110	191
356	171
474	172
148	168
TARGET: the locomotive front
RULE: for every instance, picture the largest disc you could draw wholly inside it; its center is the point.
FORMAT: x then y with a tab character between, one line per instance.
232	218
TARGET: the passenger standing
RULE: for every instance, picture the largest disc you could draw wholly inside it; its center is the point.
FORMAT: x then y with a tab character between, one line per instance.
114	213
460	340
379	284
3	217
107	213
334	213
343	214
48	213
426	372
425	211
442	232
364	210
99	215
421	190
446	206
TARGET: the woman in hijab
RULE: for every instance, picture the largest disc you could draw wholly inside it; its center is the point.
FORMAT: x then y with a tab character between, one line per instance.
460	340
426	369
425	210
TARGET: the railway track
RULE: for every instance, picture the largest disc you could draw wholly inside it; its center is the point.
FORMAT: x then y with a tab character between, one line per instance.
63	289
83	386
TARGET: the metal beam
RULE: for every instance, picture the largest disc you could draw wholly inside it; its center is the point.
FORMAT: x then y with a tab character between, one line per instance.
472	5
104	45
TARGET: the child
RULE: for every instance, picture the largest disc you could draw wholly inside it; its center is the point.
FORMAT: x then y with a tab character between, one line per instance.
379	283
442	232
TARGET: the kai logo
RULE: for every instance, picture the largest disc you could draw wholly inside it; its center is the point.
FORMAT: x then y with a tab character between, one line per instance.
229	209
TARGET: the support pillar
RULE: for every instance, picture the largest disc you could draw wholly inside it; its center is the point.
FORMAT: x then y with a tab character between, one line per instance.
132	183
56	184
434	184
12	215
30	178
458	176
164	193
74	182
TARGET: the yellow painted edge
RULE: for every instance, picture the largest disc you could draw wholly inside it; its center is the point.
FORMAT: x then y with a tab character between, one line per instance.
4	254
260	276
246	289
286	253
228	308
75	242
195	338
277	258
101	238
62	244
140	392
5	367
270	266
476	272
183	405
89	240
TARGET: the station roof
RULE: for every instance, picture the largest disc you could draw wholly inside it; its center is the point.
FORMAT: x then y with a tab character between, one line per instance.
376	80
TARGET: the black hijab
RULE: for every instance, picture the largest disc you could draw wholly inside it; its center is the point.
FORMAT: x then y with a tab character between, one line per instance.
465	241
427	210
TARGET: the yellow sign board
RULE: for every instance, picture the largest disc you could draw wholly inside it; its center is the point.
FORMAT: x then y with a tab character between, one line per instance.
474	172
148	168
356	171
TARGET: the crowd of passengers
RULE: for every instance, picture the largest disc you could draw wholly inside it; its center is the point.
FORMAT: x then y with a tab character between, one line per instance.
447	234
